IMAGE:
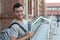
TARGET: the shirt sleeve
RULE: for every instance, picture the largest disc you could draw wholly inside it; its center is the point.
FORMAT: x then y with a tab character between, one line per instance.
14	31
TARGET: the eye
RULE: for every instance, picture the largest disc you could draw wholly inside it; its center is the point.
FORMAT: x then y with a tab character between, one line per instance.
21	11
17	11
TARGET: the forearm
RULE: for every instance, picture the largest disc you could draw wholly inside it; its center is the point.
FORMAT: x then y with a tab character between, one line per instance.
23	38
28	35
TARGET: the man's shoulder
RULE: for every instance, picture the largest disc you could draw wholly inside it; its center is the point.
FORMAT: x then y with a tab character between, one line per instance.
25	20
13	21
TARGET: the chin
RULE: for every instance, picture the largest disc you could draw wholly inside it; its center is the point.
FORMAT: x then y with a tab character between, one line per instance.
20	18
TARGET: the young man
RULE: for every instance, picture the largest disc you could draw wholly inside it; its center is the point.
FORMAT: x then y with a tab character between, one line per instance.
16	33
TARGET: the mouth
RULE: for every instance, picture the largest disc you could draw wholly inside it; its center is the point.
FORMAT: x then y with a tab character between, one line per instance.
20	17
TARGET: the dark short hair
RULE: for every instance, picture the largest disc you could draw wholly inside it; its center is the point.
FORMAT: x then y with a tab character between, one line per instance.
17	5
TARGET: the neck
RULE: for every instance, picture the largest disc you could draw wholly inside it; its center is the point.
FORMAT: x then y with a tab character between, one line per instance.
19	20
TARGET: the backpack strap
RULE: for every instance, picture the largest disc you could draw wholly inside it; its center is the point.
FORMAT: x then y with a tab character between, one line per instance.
19	26
29	26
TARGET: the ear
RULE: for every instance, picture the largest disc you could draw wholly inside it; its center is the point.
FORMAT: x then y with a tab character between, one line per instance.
14	14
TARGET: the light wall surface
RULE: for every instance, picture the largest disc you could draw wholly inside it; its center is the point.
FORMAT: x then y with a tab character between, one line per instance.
52	1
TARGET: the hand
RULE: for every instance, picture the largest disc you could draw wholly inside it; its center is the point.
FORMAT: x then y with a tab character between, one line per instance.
29	34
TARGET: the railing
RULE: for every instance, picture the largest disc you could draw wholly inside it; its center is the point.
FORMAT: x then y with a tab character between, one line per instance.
37	23
53	26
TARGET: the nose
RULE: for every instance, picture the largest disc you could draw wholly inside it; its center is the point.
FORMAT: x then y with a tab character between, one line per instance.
21	14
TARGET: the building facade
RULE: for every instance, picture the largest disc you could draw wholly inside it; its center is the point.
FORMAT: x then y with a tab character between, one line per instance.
53	9
33	8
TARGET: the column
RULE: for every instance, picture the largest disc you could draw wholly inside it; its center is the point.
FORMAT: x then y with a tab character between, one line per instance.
26	8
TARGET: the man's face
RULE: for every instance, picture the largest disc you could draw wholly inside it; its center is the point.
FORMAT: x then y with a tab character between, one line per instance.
19	12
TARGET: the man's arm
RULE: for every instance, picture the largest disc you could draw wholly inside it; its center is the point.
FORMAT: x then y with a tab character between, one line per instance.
22	38
28	35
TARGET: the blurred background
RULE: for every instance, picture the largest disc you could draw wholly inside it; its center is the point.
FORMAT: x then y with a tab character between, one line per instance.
49	9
